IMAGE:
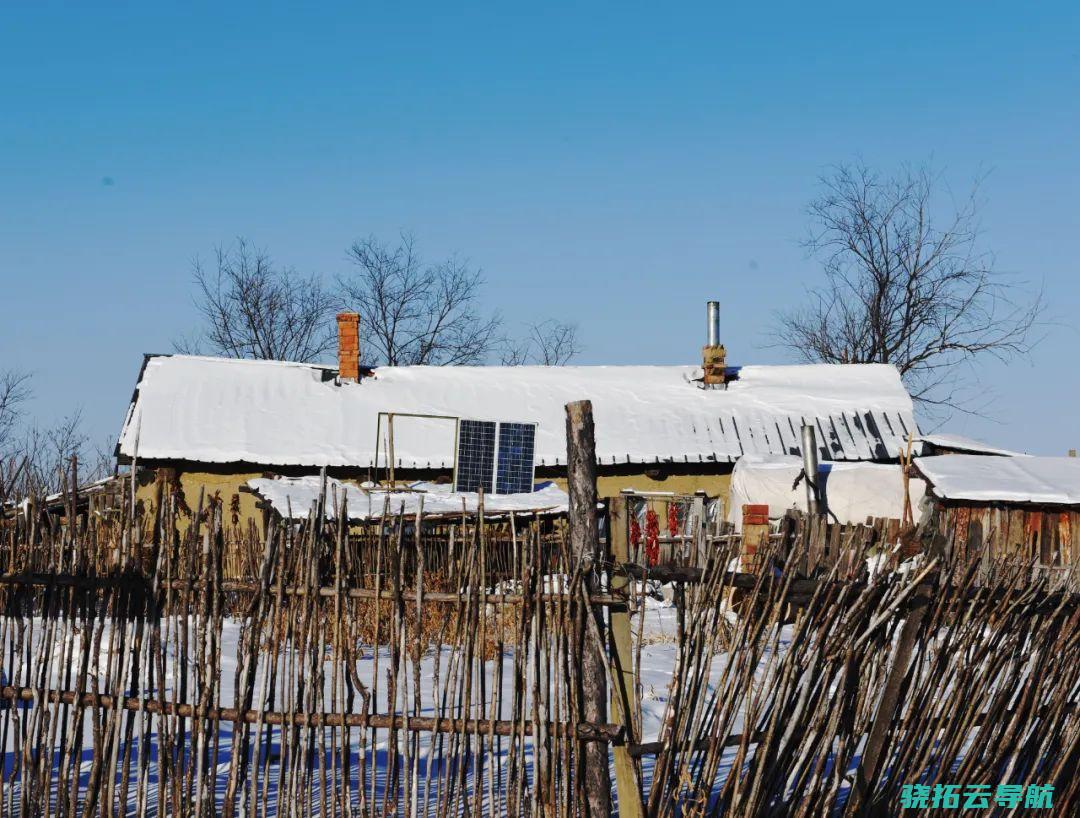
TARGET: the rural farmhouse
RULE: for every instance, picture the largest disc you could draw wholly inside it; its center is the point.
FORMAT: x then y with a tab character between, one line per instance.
213	423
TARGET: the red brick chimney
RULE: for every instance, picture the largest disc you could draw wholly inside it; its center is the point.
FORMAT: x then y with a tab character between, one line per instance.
348	333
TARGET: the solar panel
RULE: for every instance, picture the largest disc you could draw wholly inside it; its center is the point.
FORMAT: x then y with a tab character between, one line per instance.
475	455
496	457
514	469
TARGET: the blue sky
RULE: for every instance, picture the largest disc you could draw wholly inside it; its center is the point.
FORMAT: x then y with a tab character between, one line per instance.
614	166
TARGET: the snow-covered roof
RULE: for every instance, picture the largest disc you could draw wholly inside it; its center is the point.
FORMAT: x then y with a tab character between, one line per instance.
219	410
297	496
959	443
853	491
1041	480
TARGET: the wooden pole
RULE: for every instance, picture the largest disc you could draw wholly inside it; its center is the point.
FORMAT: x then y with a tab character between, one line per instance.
624	696
585	549
810	469
871	763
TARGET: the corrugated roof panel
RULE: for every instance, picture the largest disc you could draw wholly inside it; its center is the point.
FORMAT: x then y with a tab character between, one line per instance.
857	429
829	439
846	441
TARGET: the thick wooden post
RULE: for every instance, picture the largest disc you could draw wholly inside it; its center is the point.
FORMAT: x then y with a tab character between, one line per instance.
624	698
585	547
870	765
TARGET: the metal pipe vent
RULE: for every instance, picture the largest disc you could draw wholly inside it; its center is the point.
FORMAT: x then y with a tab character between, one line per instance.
713	311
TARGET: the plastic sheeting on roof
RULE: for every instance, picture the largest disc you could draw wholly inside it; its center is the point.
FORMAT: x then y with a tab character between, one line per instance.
1041	480
853	491
298	495
267	412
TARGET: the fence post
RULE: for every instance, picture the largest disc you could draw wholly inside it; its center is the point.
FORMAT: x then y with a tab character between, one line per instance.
871	763
585	546
697	529
624	697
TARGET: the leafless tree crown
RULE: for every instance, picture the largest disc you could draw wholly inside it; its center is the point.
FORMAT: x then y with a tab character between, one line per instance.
548	343
413	312
14	391
904	288
254	309
36	461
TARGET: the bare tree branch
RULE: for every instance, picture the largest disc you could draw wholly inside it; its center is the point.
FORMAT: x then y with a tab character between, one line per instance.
548	343
412	312
904	288
253	309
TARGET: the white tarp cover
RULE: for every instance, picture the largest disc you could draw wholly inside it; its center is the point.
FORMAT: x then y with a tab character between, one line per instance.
853	491
217	410
1043	480
300	494
965	444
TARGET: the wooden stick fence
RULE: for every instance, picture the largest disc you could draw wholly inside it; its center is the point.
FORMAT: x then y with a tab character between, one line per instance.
263	696
377	674
833	694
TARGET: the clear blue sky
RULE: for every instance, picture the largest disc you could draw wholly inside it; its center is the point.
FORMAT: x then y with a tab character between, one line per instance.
614	167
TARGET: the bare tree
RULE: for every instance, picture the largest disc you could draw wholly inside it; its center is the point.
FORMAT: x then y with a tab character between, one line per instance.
413	312
903	287
548	343
36	461
49	453
14	392
252	308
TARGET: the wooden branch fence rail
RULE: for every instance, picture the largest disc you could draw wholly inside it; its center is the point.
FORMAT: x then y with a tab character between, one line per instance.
582	731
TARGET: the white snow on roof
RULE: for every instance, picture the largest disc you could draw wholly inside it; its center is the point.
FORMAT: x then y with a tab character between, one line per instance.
965	444
853	491
1042	480
267	412
298	495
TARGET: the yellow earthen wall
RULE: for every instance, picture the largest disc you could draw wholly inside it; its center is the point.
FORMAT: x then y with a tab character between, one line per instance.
715	485
228	484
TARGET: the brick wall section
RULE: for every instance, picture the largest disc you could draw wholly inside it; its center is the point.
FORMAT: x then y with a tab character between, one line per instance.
348	325
755	533
714	363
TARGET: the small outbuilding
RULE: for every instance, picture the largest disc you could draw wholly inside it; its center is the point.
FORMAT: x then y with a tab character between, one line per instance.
850	492
1022	508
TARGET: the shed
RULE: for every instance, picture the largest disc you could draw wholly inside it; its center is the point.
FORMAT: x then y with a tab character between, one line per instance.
853	492
1024	508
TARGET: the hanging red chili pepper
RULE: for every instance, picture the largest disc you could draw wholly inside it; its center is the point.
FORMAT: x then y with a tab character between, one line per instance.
635	532
673	526
652	537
